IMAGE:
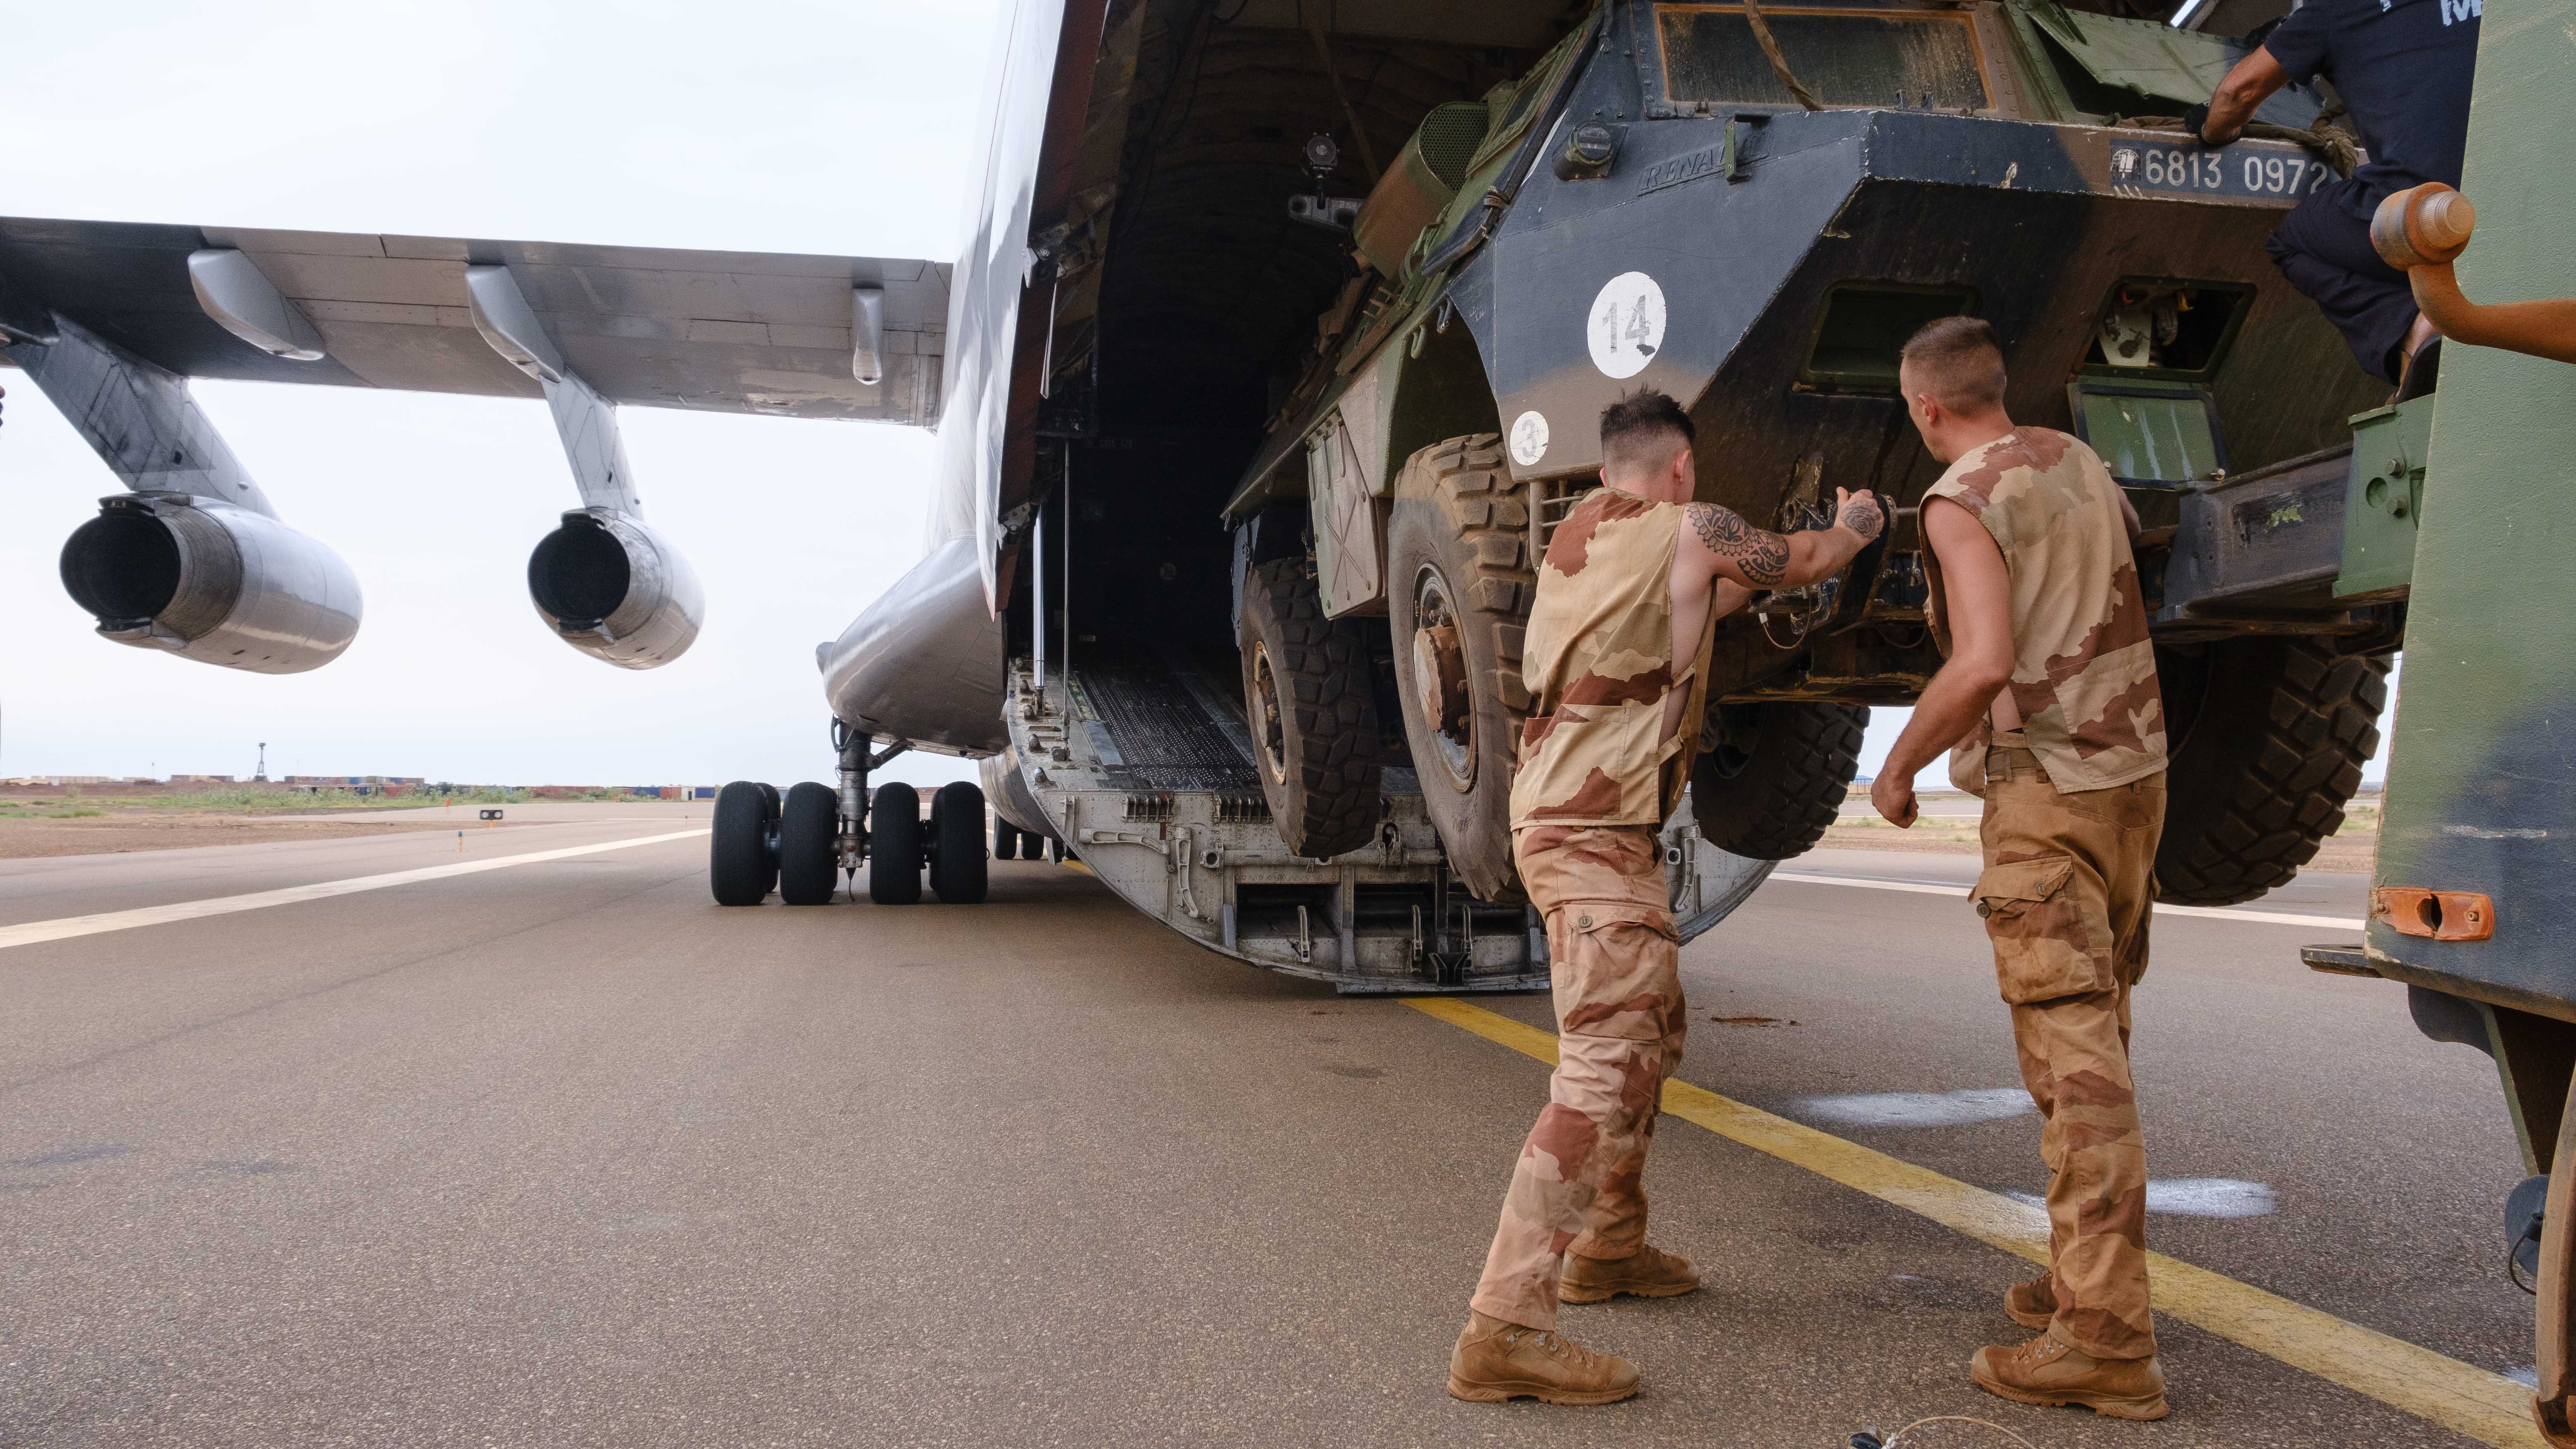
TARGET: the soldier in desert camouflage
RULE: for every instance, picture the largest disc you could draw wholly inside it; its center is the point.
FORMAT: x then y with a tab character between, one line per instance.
2049	695
1616	657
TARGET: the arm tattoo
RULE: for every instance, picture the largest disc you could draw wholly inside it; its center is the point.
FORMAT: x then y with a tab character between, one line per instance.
1759	555
1864	519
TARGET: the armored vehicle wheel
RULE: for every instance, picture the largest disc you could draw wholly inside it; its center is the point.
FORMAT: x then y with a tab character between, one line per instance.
739	867
1312	707
2266	739
809	845
957	843
1459	584
894	845
1775	775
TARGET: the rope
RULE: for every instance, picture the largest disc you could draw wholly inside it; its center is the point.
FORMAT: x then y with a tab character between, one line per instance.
1892	1439
2332	143
1779	63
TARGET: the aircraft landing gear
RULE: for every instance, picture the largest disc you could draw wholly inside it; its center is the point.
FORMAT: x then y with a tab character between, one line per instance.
742	861
799	845
809	845
894	846
957	843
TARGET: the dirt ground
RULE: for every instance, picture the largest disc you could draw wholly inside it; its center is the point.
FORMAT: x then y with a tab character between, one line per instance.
22	837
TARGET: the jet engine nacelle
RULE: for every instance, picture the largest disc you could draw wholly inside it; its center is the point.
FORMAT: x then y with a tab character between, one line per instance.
616	590
208	581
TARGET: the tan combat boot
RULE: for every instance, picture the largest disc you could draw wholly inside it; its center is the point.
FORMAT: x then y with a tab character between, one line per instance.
1495	1361
2047	1371
2033	1305
1649	1272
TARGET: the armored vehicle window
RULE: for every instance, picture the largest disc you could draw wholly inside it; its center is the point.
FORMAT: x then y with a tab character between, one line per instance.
1864	323
2149	434
1847	57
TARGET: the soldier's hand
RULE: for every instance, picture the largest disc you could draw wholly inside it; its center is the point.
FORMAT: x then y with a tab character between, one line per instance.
1894	796
1859	512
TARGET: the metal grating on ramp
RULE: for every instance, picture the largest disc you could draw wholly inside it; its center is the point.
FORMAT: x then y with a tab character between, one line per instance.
1160	736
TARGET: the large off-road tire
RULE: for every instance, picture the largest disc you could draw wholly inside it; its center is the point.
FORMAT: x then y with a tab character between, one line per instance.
2266	739
957	859
894	845
1771	777
809	845
739	868
1460	581
1311	703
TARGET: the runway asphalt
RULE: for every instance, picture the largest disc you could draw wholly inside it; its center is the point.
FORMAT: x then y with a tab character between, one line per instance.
560	1153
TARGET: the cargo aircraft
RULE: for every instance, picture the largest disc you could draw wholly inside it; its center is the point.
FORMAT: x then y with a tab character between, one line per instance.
1268	367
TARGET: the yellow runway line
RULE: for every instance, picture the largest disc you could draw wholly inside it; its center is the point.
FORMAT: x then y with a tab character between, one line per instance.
2487	1407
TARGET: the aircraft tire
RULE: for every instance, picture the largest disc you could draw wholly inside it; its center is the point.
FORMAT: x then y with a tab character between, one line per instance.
809	845
1459	586
1311	704
2270	735
894	845
957	869
1006	839
1776	777
739	870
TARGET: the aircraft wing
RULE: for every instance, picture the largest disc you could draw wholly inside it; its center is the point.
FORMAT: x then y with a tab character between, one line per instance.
718	331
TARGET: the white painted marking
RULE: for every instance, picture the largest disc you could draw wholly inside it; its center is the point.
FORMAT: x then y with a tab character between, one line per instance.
34	932
1626	325
2528	1375
1529	438
2209	1197
1918	1109
2193	1197
1960	893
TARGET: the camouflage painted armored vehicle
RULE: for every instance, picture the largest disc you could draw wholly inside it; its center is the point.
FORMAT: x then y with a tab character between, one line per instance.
1655	205
1360	287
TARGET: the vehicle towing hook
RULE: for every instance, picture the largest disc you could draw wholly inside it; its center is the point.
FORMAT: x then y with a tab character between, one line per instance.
2419	231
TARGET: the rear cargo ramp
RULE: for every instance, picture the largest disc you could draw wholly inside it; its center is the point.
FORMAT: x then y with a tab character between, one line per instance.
1145	768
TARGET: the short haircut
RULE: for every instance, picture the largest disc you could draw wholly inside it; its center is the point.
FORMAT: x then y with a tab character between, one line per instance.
1961	360
1641	429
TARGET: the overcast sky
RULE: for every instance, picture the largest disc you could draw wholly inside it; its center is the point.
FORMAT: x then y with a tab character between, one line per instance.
837	128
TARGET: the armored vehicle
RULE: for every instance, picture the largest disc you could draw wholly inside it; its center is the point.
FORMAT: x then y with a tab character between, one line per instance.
1750	212
1317	322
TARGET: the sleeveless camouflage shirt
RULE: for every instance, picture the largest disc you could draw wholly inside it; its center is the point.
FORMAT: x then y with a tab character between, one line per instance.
1599	666
2084	674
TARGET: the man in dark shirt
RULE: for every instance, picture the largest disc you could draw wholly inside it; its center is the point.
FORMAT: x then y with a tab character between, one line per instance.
2403	68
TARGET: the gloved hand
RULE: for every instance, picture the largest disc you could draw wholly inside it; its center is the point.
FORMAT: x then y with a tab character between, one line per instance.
2195	119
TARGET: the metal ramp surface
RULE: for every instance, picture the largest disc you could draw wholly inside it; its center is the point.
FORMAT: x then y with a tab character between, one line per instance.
1147	771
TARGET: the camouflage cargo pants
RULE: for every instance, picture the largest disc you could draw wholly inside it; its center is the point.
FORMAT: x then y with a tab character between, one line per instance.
1615	959
2066	896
